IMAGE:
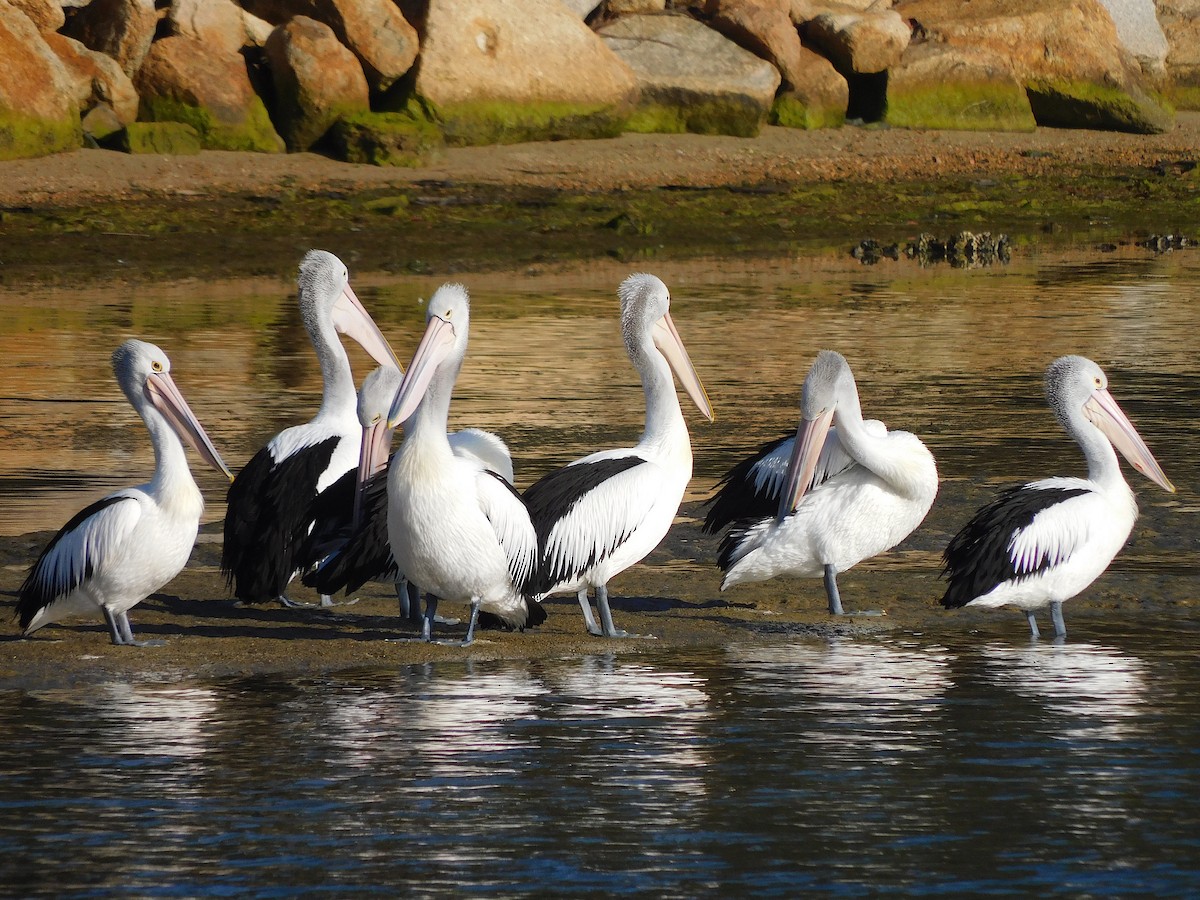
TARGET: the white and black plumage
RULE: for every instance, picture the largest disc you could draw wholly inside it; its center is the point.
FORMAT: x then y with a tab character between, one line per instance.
1041	543
601	514
455	527
847	493
271	503
114	553
361	553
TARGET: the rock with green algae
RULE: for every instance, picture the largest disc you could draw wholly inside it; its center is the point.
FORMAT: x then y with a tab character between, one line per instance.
163	138
385	139
956	89
792	111
1085	104
691	78
37	114
26	136
476	122
183	81
520	70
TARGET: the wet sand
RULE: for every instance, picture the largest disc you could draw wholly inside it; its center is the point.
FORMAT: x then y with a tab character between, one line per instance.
673	595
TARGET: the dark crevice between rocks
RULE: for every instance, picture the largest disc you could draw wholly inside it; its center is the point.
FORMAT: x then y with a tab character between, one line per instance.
868	97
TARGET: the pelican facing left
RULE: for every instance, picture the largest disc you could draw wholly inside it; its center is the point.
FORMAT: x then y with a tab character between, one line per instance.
114	553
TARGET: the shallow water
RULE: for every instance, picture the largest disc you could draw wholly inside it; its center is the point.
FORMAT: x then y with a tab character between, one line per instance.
773	769
987	764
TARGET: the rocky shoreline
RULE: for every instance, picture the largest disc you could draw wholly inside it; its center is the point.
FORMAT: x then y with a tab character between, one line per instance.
395	82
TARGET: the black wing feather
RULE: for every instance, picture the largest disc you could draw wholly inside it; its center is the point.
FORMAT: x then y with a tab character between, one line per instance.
737	498
39	590
554	496
270	511
977	559
354	556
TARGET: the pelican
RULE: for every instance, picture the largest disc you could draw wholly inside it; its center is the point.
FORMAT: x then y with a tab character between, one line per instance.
848	492
115	552
456	528
598	515
271	502
362	553
1041	543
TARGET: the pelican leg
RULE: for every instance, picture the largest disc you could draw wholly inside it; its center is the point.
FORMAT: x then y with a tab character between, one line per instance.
121	631
589	620
1033	629
409	596
831	591
1056	616
606	619
835	597
470	638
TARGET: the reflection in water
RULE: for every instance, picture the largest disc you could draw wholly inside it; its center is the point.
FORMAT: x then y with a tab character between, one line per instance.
842	766
1096	692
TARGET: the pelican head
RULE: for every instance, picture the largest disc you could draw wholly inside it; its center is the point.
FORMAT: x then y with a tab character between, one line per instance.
374	402
144	373
646	309
1077	389
326	296
447	323
829	383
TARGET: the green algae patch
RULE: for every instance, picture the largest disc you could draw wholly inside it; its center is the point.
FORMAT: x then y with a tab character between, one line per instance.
1084	104
789	111
983	106
255	133
385	139
22	137
482	122
739	117
166	138
1185	96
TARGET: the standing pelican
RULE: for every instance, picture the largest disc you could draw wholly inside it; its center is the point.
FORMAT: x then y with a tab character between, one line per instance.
598	515
847	494
1041	543
114	553
362	552
455	527
271	502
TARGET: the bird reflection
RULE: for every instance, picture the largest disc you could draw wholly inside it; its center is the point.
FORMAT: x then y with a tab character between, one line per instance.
1093	692
865	698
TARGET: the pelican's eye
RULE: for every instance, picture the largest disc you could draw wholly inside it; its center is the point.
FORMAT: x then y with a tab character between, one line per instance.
375	420
449	313
156	366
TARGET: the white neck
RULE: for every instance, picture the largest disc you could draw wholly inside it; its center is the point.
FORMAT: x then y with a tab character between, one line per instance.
665	431
1103	466
339	398
172	476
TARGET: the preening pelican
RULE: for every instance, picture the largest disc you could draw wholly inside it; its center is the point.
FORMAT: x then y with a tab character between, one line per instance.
1041	543
114	553
456	528
362	553
847	493
601	514
271	502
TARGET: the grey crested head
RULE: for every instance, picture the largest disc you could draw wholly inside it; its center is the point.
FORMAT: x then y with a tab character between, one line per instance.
1069	382
322	278
828	374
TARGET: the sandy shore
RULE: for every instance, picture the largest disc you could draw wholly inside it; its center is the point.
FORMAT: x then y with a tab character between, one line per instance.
631	161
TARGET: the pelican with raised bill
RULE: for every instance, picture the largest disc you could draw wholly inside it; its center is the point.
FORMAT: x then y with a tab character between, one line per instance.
456	527
598	515
1040	544
272	502
114	553
850	490
362	553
